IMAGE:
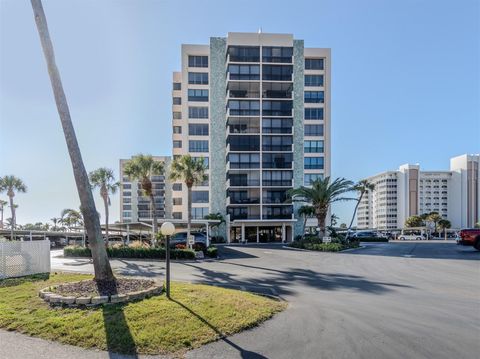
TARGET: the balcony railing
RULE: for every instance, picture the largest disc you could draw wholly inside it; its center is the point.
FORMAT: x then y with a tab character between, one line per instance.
244	183
244	200
279	183
243	94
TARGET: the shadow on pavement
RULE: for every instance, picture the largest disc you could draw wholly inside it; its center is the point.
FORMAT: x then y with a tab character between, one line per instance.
280	281
245	354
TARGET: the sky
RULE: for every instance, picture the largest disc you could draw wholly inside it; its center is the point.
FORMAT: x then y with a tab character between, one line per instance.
405	83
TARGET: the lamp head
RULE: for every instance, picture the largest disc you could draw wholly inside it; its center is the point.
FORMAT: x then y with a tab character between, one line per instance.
167	229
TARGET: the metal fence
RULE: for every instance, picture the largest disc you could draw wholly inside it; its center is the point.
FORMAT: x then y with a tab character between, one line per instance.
18	259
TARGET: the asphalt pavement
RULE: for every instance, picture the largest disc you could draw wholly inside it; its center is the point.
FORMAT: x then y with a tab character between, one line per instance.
386	300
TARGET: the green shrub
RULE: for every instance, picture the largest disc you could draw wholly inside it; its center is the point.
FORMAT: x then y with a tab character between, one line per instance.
373	239
131	252
315	244
212	252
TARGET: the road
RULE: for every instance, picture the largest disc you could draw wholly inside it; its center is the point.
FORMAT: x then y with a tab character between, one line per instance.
386	300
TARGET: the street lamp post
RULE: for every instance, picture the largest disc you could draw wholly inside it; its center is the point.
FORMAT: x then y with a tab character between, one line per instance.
167	229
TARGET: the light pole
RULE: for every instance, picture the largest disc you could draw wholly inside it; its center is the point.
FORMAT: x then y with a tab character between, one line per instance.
167	229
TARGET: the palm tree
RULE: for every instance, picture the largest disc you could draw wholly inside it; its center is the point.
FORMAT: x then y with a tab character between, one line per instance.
305	212
215	217
141	168
72	218
435	218
363	187
414	221
191	171
104	179
2	206
444	224
321	195
55	221
12	184
101	265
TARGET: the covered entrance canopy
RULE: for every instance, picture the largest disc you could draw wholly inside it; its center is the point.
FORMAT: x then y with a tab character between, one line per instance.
257	231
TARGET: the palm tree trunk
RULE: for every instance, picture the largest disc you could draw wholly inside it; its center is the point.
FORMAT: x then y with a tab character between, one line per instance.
304	226
321	224
105	203
354	213
101	265
12	224
154	217
189	212
1	221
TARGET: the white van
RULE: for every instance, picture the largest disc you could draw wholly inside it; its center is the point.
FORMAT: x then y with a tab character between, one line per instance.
412	235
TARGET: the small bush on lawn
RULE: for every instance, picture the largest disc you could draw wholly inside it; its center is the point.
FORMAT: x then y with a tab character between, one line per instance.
315	244
131	252
212	252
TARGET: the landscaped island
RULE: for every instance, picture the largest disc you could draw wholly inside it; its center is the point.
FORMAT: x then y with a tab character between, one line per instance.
196	315
314	243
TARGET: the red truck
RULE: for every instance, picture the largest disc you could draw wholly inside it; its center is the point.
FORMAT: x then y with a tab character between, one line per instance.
470	237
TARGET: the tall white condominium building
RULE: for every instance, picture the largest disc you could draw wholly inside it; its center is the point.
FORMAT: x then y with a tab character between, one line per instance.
134	206
454	194
256	107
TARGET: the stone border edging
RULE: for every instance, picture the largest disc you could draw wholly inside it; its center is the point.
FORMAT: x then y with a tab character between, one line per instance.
91	301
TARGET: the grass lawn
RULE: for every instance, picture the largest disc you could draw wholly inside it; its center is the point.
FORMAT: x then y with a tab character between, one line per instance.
197	314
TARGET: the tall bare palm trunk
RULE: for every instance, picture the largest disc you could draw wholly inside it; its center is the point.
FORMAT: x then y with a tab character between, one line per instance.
12	224
189	210
353	217
321	223
1	220
154	218
101	265
105	203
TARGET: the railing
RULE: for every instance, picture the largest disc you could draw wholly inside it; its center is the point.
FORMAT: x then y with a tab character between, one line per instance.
19	259
245	183
244	200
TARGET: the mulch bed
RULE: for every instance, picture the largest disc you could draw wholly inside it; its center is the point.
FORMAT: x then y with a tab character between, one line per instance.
87	288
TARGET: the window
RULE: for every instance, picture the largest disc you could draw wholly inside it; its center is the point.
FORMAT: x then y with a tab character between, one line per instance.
277	54
197	95
177	187
197	61
177	215
277	160
199	196
313	64
205	160
199	212
127	214
198	112
126	193
244	160
277	143
314	114
177	129
313	130
198	78
244	108
313	163
277	178
127	206
277	108
198	146
177	144
244	143
127	186
310	177
127	200
177	100
177	86
198	129
177	201
313	80
244	53
278	212
314	96
244	72
313	147
277	125
277	72
177	115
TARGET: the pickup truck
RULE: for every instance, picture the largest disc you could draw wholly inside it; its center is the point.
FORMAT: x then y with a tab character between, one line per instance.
470	237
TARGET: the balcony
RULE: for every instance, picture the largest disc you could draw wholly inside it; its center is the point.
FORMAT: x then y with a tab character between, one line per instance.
243	94
277	183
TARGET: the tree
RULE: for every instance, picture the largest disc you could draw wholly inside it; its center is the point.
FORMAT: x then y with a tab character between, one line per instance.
414	221
343	225
55	222
306	212
435	218
321	195
141	168
334	220
215	217
192	172
104	179
444	224
72	218
101	264
2	206
363	187
12	184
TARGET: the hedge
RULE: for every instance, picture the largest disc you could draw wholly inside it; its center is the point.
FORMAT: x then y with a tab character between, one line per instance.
323	247
212	252
128	252
371	239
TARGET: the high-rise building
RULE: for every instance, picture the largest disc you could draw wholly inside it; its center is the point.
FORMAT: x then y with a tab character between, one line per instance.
454	194
256	107
135	206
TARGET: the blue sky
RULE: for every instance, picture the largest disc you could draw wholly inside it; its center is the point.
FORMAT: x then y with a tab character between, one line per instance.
405	82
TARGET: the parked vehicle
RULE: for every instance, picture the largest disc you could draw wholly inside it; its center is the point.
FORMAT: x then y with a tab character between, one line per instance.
470	237
365	234
180	238
412	235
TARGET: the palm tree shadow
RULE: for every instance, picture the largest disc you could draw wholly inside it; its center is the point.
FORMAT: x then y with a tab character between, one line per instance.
117	332
245	354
